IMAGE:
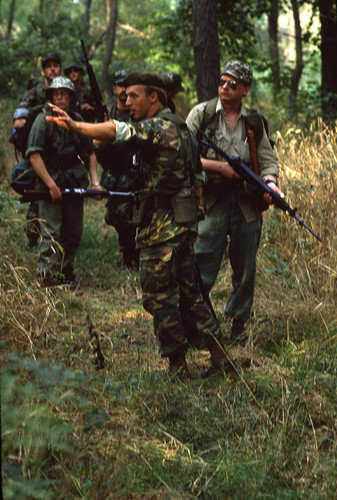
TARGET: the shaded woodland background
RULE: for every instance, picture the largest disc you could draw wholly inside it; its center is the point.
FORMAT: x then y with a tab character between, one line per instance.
291	45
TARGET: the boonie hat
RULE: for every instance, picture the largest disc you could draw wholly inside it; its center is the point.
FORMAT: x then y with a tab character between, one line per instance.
61	82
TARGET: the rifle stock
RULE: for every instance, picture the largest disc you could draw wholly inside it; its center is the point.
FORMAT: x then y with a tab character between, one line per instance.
33	195
254	180
100	108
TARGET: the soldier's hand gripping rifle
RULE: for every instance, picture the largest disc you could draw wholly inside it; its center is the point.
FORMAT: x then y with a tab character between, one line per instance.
254	180
100	108
32	195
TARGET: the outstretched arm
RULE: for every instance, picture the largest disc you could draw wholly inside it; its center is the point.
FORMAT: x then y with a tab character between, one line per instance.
104	131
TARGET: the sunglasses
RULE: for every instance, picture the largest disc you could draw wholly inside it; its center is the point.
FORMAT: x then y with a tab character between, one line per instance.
232	83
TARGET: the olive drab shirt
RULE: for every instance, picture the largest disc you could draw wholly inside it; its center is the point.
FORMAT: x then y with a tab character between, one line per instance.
234	143
63	152
162	169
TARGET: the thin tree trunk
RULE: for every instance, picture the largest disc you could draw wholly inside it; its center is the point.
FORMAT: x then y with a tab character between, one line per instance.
206	48
297	72
87	16
273	46
111	11
10	19
328	18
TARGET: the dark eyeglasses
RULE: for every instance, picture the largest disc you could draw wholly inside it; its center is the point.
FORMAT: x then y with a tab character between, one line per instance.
232	83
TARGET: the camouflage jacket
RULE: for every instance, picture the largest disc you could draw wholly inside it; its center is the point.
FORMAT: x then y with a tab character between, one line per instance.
167	153
34	96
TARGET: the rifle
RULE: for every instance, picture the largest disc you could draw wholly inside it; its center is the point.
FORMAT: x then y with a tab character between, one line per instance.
32	195
249	176
100	108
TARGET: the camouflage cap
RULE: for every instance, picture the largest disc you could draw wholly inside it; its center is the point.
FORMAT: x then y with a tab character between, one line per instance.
70	66
50	57
120	76
144	78
238	70
173	82
61	82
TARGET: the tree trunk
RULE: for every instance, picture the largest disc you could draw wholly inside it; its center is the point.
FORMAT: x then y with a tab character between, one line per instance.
87	16
297	72
328	18
111	11
273	47
206	48
10	19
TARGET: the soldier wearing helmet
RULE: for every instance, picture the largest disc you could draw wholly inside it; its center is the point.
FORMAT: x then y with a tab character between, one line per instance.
84	100
34	98
60	160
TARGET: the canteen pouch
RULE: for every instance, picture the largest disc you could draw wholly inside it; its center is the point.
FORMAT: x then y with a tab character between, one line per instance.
185	206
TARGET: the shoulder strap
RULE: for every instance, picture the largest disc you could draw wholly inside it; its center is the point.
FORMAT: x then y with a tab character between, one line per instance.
258	122
209	113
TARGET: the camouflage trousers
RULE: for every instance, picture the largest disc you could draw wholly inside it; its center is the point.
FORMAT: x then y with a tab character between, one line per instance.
172	295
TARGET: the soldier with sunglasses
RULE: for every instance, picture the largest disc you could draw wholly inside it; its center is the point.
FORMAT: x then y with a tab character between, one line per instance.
232	211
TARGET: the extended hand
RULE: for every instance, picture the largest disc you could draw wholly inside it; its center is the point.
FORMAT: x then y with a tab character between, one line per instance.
63	119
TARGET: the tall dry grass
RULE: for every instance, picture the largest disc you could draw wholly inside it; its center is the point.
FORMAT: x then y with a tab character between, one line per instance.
73	432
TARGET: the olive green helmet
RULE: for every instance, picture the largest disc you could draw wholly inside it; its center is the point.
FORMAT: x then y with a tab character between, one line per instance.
61	82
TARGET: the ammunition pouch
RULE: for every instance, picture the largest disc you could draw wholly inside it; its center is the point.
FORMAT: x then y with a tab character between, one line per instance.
140	210
185	206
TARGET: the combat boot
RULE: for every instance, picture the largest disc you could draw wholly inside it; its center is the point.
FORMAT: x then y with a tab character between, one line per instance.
178	366
220	361
238	334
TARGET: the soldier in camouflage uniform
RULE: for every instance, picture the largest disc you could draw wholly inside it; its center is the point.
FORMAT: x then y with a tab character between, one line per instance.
120	173
61	159
34	97
232	210
84	104
167	211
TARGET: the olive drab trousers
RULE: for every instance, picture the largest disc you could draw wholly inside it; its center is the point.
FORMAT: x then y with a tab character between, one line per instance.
224	224
61	230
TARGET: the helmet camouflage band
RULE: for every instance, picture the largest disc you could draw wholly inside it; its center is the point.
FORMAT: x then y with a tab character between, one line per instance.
61	82
238	70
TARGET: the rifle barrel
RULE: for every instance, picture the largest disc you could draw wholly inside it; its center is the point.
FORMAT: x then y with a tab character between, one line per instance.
32	195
